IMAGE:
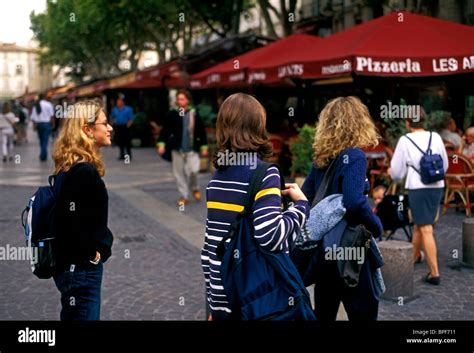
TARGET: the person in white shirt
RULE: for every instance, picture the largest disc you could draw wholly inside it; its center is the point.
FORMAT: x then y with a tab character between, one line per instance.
7	123
424	199
42	116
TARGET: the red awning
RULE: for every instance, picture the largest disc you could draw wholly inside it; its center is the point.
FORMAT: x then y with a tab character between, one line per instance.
233	72
72	94
101	86
168	75
287	58
399	44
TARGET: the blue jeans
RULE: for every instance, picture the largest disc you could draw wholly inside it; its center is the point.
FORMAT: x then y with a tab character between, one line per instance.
44	130
80	292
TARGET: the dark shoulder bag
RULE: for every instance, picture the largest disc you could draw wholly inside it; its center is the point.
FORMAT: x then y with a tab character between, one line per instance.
351	239
259	284
304	251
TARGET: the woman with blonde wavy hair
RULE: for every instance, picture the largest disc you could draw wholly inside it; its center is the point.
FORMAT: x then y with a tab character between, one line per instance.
344	128
83	241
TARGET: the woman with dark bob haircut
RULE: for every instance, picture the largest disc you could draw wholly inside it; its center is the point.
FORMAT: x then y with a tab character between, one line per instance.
241	142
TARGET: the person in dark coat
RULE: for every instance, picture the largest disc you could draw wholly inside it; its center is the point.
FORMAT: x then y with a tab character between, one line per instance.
344	128
182	139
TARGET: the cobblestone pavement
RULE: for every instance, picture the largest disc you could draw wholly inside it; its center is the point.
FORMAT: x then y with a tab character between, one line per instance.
154	272
452	300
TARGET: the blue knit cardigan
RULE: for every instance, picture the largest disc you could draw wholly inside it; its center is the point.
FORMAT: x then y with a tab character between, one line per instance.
350	180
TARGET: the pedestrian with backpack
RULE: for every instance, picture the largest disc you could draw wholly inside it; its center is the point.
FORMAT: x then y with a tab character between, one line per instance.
421	158
339	170
82	239
248	272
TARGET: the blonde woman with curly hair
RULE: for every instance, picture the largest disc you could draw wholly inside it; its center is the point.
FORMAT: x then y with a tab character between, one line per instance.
344	128
83	240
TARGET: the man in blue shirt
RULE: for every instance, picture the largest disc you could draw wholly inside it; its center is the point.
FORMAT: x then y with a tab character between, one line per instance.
122	119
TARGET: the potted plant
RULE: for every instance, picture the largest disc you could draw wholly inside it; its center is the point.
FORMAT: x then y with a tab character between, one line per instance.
302	153
208	118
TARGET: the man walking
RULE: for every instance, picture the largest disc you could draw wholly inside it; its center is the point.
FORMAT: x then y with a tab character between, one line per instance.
42	115
184	135
122	118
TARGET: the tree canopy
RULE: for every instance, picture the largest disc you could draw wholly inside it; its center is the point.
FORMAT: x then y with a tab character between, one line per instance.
92	37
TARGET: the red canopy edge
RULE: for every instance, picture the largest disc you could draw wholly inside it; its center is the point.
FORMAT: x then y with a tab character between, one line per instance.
169	75
400	44
234	72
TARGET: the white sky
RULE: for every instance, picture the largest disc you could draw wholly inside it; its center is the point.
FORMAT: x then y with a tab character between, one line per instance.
15	19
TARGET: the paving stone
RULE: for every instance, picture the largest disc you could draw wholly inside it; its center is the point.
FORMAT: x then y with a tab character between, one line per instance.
164	267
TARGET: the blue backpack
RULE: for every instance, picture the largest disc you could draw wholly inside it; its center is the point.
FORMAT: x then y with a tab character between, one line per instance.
431	165
259	284
37	220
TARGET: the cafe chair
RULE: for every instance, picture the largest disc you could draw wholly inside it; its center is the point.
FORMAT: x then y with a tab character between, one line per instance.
459	181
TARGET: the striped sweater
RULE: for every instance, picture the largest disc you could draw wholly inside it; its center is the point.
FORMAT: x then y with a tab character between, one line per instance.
225	198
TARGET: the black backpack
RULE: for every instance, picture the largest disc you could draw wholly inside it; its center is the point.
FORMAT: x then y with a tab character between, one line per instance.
431	165
37	219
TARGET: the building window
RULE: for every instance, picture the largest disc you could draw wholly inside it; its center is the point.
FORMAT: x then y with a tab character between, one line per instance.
19	69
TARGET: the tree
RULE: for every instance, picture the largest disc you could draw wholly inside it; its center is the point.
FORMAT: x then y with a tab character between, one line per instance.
89	37
285	15
92	37
221	17
164	23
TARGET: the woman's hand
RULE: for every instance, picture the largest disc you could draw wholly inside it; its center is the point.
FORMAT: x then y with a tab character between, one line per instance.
96	259
294	192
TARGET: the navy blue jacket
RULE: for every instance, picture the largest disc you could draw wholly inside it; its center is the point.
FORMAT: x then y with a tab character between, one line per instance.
349	180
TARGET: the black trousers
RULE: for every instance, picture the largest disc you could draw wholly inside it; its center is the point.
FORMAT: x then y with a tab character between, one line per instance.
330	290
122	138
